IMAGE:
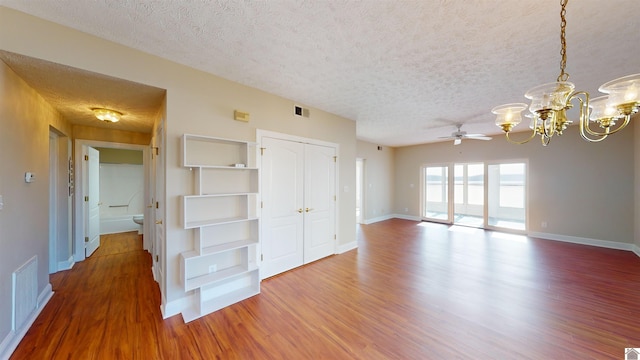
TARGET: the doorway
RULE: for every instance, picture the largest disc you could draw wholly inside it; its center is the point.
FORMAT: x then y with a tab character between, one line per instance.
60	202
359	190
81	189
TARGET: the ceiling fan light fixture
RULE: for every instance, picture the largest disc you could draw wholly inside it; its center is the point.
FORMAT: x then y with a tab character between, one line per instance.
107	115
550	102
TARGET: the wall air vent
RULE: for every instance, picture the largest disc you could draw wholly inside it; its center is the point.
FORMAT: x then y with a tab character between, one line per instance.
300	111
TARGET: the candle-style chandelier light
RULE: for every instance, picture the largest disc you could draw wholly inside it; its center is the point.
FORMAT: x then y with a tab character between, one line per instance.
550	102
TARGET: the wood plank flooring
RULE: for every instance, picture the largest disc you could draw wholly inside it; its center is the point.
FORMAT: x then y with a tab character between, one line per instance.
411	291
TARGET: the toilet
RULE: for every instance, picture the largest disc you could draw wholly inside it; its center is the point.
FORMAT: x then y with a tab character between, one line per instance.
138	219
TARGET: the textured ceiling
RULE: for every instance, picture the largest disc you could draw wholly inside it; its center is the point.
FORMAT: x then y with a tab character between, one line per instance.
405	71
74	92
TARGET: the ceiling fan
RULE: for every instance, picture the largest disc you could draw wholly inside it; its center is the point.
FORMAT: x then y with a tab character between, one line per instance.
458	135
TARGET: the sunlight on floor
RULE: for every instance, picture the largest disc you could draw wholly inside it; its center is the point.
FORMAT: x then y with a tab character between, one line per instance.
512	237
465	229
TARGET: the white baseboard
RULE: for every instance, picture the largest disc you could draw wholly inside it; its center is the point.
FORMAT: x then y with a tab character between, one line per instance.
11	341
407	217
584	241
347	247
378	219
636	249
67	264
176	307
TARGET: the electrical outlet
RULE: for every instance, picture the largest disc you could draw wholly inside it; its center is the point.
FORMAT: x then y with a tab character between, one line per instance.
544	224
213	268
406	209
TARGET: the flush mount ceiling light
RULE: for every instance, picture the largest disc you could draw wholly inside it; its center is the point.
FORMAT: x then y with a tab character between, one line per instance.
107	114
549	103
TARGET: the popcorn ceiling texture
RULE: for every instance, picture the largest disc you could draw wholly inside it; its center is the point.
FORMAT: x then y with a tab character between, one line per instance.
74	92
405	71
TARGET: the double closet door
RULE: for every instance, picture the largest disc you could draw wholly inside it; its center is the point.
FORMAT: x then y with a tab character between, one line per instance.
298	204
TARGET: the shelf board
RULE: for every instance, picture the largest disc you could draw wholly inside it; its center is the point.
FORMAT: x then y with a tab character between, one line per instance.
224	194
208	279
217	303
214	139
219	167
196	224
215	249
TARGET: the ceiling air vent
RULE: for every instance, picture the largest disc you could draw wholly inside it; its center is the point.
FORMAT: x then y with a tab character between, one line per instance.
300	111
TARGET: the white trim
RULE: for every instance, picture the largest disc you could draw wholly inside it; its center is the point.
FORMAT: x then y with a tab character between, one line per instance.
11	341
407	217
378	219
66	264
347	247
282	136
177	306
583	241
636	249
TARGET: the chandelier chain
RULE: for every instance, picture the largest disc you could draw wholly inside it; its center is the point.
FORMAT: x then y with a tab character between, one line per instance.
563	41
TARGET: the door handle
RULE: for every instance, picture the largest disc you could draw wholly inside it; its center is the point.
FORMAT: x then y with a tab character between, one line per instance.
308	209
159	222
299	210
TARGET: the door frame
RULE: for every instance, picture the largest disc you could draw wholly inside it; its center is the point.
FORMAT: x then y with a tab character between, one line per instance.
260	134
80	173
361	163
53	201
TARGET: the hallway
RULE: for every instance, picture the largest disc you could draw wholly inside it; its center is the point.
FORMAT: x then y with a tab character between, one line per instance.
106	307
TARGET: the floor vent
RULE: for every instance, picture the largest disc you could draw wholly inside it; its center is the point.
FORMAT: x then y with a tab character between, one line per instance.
25	292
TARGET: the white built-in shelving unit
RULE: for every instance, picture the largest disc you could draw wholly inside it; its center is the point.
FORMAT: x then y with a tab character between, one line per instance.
223	213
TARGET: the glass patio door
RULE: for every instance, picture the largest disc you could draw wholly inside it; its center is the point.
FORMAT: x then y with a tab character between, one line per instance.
435	200
468	195
507	196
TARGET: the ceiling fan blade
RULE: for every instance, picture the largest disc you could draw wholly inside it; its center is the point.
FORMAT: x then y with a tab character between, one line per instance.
457	141
480	137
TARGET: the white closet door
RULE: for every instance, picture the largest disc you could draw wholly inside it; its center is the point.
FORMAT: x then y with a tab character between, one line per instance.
319	202
282	212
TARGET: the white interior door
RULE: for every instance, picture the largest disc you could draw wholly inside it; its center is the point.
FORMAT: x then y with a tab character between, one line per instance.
282	206
319	202
93	202
158	209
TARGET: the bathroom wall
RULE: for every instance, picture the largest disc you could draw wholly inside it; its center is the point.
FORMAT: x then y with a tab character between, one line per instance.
121	188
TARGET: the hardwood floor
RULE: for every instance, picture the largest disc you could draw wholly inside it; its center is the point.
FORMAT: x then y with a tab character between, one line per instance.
410	291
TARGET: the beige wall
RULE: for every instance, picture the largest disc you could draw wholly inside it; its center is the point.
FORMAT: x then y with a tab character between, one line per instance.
636	216
24	146
379	174
580	189
197	103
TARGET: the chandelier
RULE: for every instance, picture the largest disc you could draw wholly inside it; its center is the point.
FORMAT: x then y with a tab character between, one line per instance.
550	102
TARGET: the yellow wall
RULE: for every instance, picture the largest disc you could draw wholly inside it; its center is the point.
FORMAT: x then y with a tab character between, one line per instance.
109	135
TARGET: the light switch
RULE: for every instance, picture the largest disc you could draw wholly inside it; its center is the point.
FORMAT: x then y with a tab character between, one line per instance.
1	203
